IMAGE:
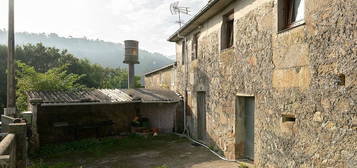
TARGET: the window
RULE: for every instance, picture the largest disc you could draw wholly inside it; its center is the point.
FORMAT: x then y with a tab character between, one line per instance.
173	76
288	118
161	80
290	13
195	46
183	52
227	31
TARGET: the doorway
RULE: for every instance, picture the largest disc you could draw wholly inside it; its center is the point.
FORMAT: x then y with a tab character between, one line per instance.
201	115
245	109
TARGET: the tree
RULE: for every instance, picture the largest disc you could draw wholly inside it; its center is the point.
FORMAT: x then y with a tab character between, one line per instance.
28	79
40	57
43	59
118	79
2	76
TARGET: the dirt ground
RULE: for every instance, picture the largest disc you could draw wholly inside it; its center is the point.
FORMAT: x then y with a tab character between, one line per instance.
166	151
172	155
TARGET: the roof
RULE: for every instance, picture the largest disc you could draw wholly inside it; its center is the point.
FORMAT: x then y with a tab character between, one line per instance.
211	9
102	96
161	69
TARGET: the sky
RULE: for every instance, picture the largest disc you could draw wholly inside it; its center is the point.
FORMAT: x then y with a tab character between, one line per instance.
148	21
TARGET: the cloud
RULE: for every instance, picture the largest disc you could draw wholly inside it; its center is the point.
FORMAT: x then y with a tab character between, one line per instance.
148	21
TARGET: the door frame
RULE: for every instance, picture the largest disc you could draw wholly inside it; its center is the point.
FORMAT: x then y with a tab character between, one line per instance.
240	136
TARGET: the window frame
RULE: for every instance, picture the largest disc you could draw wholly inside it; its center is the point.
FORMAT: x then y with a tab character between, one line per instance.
227	30
285	15
183	51
195	45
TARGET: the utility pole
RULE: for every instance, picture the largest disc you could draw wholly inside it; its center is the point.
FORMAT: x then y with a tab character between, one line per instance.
11	83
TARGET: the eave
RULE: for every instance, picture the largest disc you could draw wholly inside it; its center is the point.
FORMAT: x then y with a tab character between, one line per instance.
207	12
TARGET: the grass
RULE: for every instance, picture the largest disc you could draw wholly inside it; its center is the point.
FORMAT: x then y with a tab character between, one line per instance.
99	146
163	166
95	148
242	165
56	165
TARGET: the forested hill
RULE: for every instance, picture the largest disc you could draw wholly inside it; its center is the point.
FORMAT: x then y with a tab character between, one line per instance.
97	51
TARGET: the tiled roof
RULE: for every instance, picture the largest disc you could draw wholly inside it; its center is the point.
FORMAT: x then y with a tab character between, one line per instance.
103	96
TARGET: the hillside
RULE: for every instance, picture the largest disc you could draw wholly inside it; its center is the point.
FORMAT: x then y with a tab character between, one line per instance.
97	51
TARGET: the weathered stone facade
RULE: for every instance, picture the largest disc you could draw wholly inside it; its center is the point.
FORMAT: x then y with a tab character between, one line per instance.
308	72
163	78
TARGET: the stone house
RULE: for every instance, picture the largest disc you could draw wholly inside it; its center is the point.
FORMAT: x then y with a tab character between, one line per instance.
162	78
272	81
59	116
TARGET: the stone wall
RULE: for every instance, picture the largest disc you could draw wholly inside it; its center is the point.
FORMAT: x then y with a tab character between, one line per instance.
308	73
162	79
13	146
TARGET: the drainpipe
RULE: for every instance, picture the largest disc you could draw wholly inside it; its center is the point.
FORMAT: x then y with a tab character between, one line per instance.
186	81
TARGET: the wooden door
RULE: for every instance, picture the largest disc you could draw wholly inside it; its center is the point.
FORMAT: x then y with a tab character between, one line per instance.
201	115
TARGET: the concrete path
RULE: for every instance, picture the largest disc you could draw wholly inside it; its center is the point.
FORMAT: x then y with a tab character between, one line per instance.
173	155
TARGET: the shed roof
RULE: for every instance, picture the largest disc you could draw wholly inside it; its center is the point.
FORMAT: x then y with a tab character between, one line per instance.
102	96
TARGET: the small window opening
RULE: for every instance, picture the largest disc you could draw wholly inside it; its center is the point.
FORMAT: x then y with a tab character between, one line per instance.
290	13
173	76
230	33
288	118
195	46
183	52
227	34
341	79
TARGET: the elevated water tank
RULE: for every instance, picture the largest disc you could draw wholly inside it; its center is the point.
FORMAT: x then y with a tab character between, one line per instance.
131	52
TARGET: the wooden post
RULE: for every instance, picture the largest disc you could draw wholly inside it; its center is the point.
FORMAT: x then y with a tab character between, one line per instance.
11	85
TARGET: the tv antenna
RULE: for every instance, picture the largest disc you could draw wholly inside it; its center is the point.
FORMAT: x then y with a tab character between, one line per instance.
175	9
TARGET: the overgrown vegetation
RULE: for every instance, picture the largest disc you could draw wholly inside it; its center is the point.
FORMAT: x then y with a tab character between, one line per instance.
48	68
54	79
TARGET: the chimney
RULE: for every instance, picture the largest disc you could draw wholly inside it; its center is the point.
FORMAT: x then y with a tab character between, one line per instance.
131	58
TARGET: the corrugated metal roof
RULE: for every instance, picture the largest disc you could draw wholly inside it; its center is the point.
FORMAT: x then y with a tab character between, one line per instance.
151	95
116	95
102	96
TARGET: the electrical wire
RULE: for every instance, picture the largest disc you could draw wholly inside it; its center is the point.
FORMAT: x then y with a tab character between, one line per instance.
214	152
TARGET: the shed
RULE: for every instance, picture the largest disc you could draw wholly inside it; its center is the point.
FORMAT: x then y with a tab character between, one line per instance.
60	116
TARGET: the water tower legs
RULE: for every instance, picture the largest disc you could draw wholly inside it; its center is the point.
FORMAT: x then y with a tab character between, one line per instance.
131	77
